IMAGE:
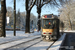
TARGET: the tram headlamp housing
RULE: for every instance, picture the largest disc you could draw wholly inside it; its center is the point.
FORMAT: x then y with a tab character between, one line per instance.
50	33
44	33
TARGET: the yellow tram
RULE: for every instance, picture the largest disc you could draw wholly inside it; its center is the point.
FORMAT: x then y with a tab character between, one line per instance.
50	27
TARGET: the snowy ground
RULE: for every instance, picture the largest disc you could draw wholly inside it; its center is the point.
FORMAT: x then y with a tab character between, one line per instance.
67	30
19	35
10	44
43	45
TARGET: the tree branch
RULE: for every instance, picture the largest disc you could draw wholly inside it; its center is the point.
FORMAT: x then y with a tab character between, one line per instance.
31	2
45	3
36	3
56	2
32	5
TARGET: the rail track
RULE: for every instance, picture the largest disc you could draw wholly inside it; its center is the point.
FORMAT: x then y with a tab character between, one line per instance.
16	46
29	45
9	44
15	40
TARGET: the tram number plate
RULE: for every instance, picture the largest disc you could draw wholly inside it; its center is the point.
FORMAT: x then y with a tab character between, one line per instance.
47	38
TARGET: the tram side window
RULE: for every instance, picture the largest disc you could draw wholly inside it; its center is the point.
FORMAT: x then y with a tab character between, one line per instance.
54	23
41	23
48	22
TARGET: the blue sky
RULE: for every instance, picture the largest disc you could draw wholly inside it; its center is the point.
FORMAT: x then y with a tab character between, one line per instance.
20	5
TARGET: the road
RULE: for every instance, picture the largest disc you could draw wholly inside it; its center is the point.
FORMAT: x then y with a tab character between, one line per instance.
69	42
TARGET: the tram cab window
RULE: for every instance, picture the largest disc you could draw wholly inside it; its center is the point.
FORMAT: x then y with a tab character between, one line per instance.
47	23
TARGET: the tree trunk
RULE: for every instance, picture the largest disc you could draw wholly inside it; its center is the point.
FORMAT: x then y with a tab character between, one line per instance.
39	13
14	17
39	27
27	21
70	24
69	21
3	18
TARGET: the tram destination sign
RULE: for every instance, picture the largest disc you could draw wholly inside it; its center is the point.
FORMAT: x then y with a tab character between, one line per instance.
48	16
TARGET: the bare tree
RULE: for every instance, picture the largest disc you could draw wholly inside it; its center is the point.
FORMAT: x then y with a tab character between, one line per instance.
40	4
3	18
29	4
22	20
67	12
18	19
9	14
9	11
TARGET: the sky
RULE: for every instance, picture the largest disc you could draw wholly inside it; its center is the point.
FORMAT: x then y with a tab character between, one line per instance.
20	5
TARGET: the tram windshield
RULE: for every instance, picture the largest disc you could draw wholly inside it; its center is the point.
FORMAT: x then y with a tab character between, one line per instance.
48	23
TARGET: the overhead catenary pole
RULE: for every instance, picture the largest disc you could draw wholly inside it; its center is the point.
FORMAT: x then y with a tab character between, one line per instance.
14	17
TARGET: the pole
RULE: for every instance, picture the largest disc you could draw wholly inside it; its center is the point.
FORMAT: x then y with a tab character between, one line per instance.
14	17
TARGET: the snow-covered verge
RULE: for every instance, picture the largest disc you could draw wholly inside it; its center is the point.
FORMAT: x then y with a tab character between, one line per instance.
19	35
67	30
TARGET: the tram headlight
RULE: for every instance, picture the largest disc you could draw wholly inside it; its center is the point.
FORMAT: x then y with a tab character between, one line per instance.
44	33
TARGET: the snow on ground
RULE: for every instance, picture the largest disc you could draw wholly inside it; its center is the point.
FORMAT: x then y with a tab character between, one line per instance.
67	30
7	45
19	35
43	45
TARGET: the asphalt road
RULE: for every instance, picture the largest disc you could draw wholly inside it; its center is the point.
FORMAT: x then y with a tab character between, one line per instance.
69	42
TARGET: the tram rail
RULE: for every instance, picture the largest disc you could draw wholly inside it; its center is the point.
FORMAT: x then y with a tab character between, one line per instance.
23	43
17	47
15	40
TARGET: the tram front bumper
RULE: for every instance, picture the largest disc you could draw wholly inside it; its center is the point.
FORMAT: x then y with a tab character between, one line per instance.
51	37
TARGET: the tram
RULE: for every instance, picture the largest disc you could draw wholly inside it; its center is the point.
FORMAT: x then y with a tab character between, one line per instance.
50	27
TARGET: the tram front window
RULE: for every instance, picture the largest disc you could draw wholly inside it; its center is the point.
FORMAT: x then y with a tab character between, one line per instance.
47	23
